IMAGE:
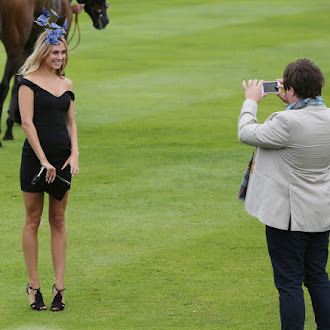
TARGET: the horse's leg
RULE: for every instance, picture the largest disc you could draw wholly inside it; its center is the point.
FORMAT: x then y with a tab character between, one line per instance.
15	41
13	109
4	85
13	63
0	27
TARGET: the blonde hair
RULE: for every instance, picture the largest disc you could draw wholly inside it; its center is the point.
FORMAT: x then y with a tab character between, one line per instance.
40	52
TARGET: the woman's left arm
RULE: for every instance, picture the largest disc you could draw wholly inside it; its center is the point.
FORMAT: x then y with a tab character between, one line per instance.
73	160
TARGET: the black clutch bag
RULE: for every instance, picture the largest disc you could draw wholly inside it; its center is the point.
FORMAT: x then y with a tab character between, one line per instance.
57	188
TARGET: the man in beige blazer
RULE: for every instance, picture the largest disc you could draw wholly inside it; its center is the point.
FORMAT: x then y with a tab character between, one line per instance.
289	188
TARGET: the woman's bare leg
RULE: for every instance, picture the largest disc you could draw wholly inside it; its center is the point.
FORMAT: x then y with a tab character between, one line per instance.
33	209
58	238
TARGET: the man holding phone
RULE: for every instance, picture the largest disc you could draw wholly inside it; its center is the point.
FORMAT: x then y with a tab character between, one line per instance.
289	188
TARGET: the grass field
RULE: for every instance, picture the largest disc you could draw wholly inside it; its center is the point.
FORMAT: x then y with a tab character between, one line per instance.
156	236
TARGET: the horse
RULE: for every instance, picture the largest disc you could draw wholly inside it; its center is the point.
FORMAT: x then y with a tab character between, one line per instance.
18	33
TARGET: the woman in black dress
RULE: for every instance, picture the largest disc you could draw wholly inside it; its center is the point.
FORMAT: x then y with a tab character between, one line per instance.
46	107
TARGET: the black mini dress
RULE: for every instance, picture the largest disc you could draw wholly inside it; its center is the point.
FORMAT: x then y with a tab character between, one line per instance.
50	118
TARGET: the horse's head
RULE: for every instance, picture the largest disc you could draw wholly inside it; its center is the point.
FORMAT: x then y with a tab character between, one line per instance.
97	10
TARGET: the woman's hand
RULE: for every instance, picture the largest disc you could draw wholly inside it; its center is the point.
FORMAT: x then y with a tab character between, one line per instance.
73	161
51	171
253	90
77	9
279	94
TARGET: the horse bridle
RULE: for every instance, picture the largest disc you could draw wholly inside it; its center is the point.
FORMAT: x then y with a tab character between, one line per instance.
100	11
77	26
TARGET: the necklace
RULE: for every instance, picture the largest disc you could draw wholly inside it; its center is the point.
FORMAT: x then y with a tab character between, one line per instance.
52	80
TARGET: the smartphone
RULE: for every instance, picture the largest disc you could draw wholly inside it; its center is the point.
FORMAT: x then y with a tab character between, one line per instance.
270	87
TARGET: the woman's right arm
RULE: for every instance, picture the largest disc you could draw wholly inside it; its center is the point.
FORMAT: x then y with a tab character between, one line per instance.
26	106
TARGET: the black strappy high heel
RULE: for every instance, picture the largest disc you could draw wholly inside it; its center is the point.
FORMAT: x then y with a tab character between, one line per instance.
39	303
57	301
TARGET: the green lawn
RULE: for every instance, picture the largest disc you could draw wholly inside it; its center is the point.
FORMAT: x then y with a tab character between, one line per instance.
156	236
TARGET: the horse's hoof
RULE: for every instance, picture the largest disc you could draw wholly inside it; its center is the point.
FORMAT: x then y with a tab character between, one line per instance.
8	137
0	145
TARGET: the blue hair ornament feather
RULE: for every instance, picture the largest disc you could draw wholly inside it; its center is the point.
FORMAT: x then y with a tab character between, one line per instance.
45	12
56	31
55	13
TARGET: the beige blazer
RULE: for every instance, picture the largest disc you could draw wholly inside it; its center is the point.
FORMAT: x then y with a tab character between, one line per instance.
291	174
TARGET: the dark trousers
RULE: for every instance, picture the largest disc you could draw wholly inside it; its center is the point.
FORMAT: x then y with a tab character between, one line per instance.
298	258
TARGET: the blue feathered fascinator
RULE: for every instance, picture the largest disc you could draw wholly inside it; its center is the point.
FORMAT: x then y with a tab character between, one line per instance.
55	31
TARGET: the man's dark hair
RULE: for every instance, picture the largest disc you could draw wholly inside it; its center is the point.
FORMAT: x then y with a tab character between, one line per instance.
304	77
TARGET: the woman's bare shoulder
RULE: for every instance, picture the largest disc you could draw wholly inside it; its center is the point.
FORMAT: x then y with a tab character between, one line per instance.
32	77
68	84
